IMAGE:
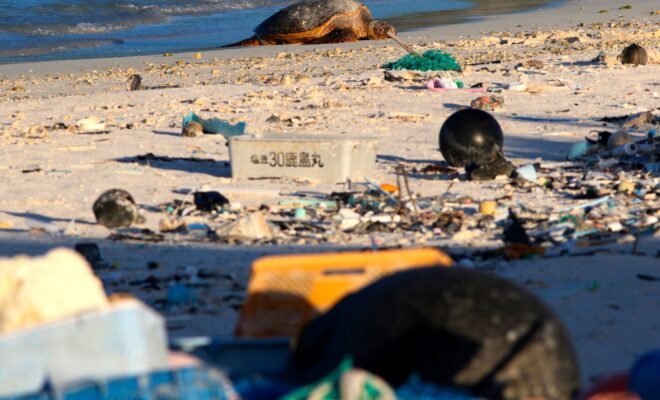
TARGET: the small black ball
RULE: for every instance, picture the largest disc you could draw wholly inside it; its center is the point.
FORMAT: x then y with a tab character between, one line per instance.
634	54
209	201
471	136
116	208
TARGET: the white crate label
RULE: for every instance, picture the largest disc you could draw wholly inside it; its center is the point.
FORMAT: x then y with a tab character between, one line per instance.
288	159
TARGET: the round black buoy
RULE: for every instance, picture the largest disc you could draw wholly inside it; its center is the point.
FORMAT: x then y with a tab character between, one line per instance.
443	325
635	55
116	208
470	136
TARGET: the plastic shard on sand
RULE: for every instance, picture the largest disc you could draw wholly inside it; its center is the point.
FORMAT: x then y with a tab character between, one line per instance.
253	226
215	125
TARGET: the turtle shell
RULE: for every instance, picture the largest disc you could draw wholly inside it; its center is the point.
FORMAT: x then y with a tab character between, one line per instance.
305	16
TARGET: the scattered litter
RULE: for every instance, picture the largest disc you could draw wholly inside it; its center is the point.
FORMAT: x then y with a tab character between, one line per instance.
626	186
134	83
192	129
210	201
300	213
488	207
473	139
53	304
487	103
251	227
433	60
618	150
447	84
644	376
345	383
527	172
31	170
92	254
514	232
531	64
321	158
215	126
37	226
635	55
91	125
179	294
6	224
470	136
116	208
406	76
416	389
348	219
517	87
405	297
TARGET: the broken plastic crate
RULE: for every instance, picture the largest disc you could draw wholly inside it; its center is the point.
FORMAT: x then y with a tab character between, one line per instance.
320	158
126	339
186	383
285	292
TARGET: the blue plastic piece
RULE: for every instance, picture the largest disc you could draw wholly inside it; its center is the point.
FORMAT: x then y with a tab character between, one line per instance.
645	376
180	294
300	213
415	389
197	227
579	150
652	167
527	172
262	389
184	384
216	126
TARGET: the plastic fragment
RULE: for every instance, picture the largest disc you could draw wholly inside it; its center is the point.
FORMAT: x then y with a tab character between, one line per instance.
215	125
433	60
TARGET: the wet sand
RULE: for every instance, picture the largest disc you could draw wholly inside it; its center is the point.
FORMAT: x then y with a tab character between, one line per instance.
481	10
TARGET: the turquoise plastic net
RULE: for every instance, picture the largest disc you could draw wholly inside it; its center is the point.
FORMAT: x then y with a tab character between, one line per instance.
434	60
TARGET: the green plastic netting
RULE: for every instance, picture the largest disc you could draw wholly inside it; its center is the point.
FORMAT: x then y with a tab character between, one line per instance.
434	60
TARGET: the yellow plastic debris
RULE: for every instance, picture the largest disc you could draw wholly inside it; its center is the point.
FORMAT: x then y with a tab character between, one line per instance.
285	292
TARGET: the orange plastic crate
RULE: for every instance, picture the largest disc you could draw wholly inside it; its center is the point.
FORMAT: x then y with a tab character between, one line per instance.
285	292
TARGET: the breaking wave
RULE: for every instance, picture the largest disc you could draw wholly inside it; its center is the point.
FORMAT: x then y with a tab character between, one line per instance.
51	18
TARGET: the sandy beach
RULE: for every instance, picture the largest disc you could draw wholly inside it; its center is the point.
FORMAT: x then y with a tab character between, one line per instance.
51	175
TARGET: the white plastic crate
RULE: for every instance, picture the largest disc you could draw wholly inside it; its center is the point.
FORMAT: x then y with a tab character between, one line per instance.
329	159
126	339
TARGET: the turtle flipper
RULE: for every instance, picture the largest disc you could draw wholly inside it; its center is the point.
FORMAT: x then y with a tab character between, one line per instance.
336	36
253	41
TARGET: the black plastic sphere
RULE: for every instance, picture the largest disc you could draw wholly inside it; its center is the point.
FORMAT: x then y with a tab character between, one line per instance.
470	136
115	208
634	54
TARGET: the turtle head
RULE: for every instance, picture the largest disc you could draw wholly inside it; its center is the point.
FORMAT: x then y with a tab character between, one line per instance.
379	30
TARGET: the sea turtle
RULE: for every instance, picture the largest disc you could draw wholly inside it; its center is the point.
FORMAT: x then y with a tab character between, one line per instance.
319	21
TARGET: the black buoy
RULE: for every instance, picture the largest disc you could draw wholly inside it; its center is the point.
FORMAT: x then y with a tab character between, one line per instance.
453	327
471	136
209	201
635	55
116	208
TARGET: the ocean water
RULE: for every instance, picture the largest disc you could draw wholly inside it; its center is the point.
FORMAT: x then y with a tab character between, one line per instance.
34	30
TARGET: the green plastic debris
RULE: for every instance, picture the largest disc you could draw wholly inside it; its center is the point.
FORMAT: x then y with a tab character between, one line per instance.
434	60
364	386
216	126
